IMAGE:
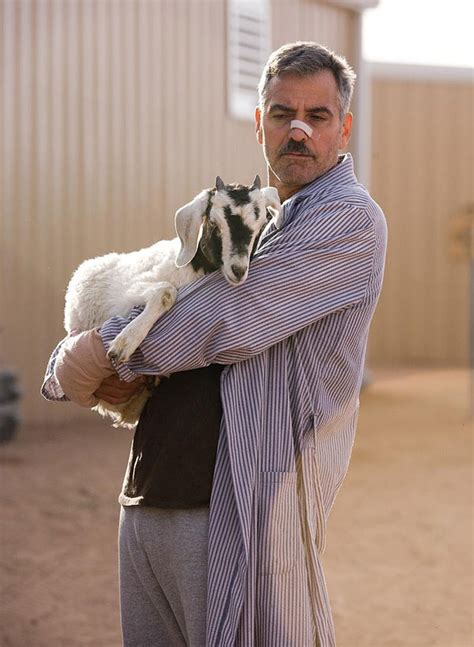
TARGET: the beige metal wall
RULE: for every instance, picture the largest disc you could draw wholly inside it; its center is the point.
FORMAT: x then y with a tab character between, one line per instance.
114	114
422	174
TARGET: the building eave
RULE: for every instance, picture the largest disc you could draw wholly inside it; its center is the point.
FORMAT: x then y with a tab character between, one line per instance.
416	72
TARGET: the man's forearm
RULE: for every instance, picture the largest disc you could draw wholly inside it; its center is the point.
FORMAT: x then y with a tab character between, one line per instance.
81	366
288	288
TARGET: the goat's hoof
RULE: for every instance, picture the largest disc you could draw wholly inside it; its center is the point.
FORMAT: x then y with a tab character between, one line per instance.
114	357
119	351
168	297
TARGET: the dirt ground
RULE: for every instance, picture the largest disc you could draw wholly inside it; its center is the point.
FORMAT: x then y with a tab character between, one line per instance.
399	557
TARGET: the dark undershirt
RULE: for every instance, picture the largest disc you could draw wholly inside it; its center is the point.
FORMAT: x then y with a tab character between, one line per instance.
173	453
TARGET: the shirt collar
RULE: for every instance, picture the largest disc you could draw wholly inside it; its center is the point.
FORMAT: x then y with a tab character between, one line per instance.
342	173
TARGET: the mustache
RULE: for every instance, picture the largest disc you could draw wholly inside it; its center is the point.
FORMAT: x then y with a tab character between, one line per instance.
295	147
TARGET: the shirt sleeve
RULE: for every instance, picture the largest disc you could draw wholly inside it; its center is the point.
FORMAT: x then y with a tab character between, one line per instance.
294	281
51	389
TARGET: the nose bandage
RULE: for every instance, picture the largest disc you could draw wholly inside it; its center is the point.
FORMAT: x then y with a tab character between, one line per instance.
296	123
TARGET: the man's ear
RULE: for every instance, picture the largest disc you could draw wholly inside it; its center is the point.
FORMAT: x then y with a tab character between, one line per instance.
258	125
188	223
346	130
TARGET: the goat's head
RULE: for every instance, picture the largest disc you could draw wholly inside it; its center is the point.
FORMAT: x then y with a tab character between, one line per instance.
219	228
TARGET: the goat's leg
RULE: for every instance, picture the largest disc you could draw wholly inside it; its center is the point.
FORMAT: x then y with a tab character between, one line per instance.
158	298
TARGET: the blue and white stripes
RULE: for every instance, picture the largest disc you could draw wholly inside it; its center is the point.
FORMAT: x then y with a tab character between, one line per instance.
294	339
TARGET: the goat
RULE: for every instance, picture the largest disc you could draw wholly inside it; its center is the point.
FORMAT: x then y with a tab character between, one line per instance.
218	229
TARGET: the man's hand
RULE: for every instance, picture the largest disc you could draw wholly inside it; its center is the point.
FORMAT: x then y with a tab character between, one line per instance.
115	391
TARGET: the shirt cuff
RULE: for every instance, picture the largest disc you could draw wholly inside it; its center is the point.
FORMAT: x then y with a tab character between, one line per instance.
51	389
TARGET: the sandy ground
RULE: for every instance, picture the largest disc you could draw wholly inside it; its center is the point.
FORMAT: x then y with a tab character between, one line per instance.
398	563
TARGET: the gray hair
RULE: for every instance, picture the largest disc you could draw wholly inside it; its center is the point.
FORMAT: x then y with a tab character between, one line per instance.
305	58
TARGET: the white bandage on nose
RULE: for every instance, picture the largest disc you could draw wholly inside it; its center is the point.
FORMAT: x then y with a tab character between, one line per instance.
296	123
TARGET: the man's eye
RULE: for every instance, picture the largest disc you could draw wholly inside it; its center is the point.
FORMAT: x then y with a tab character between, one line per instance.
280	117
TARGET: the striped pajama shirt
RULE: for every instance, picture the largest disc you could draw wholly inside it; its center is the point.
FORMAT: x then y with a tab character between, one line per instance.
293	338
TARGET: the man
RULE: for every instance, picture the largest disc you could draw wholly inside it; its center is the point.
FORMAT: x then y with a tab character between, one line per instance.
292	342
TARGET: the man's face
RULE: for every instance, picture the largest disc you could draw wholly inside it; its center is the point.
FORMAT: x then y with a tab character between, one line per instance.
293	158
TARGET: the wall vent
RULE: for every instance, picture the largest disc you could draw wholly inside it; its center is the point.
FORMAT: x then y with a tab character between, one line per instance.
248	48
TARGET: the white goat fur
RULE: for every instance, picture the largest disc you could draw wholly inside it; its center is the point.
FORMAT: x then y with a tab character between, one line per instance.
113	284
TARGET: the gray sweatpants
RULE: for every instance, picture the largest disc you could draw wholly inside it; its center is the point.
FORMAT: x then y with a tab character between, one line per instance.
163	576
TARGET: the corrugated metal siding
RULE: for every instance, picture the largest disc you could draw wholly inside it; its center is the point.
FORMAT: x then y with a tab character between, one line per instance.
114	114
302	20
422	173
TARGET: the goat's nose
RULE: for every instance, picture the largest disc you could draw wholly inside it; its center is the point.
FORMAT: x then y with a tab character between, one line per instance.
238	271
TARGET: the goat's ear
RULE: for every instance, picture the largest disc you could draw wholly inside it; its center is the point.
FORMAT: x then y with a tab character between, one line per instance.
272	199
188	223
257	183
220	186
272	202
